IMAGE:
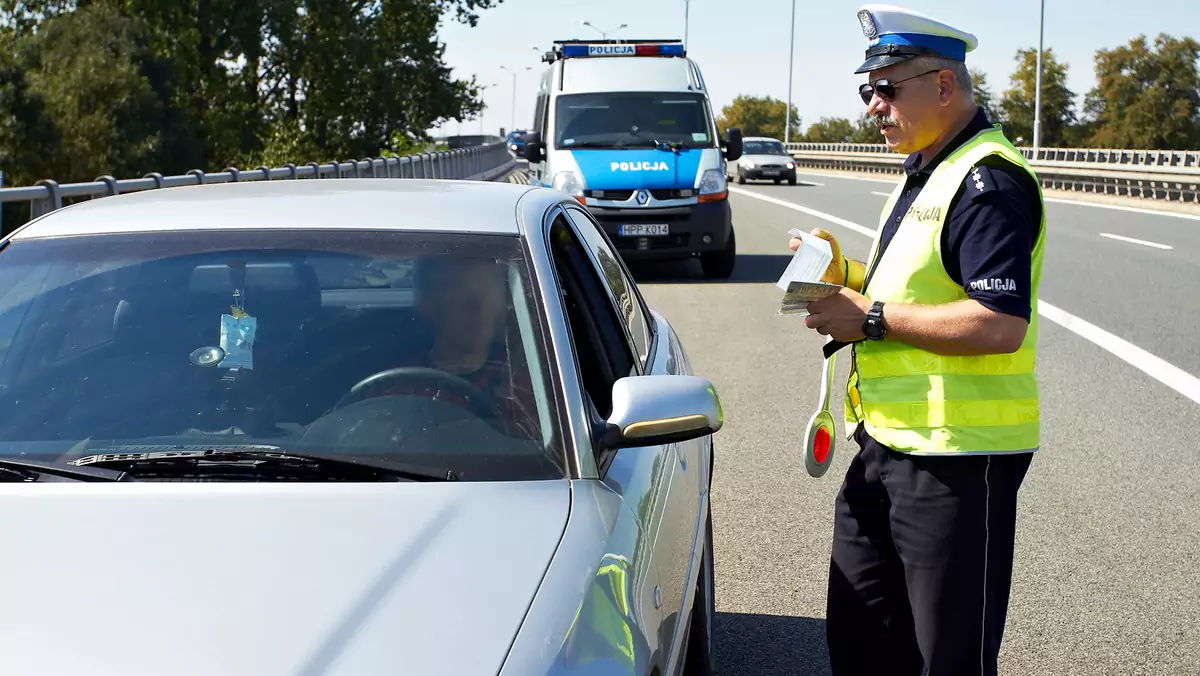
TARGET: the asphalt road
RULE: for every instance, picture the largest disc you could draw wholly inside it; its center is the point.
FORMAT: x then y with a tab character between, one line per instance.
1107	578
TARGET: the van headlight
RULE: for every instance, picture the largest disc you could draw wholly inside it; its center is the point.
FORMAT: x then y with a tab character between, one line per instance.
791	166
568	182
748	165
713	187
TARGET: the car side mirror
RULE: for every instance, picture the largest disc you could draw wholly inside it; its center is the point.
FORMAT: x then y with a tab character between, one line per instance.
733	143
533	147
661	409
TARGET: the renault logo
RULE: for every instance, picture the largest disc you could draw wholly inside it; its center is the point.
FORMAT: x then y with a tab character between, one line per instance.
643	197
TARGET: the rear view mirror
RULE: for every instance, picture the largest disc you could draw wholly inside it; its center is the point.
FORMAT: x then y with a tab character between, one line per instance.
733	143
533	147
662	409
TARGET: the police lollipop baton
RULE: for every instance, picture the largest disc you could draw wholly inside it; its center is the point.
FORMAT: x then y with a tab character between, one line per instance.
819	440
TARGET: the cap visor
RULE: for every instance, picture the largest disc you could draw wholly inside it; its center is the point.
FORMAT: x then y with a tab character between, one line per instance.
882	61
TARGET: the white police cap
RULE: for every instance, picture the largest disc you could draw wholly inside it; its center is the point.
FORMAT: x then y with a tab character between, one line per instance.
898	34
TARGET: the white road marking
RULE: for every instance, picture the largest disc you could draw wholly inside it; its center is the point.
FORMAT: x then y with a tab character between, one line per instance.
1172	376
822	185
849	178
1059	200
1143	242
805	210
1118	207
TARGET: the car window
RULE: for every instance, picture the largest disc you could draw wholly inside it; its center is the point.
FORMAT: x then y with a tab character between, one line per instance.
622	291
423	346
602	350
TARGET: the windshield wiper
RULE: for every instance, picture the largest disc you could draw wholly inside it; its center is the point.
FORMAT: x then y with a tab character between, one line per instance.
595	144
33	468
668	146
221	461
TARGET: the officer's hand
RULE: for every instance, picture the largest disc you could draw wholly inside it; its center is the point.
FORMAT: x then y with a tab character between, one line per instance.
840	315
836	272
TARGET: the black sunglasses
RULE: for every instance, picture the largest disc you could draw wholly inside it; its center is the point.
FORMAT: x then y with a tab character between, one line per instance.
885	88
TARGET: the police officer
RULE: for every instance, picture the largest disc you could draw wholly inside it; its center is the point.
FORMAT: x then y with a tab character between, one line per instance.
942	394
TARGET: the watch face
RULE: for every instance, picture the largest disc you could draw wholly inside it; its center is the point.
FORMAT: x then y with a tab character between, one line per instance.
873	329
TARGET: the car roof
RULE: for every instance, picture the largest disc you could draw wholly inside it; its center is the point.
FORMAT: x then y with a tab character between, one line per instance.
444	205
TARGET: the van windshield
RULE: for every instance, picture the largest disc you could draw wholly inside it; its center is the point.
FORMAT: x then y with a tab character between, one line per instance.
632	119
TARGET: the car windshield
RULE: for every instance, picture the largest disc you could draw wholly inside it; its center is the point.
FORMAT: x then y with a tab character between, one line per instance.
632	119
414	347
763	148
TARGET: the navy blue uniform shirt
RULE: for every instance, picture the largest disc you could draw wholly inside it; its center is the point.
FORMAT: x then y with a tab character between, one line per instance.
994	220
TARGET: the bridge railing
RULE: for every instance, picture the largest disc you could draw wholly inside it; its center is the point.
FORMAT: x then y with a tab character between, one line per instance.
1170	175
487	162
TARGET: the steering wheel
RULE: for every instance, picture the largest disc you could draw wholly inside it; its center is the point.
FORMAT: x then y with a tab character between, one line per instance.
479	402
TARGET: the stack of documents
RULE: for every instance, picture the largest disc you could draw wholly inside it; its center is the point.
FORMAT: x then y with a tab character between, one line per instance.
801	281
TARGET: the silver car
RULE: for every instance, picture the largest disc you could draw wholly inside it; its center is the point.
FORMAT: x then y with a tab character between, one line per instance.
486	453
762	158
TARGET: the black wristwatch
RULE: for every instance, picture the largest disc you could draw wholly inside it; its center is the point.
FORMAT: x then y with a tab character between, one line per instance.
873	327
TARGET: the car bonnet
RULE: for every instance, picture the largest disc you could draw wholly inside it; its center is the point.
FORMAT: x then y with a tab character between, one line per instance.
210	578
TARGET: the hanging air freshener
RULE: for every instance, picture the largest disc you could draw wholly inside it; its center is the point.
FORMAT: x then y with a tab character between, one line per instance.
237	335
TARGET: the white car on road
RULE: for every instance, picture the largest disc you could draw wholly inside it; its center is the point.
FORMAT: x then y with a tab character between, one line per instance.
762	159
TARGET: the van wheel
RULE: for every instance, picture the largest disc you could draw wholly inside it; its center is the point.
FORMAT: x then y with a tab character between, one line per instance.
740	179
699	656
719	264
778	181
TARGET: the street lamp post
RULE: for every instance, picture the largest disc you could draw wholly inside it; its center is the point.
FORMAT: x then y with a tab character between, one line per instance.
787	114
484	108
687	5
604	34
1037	103
514	72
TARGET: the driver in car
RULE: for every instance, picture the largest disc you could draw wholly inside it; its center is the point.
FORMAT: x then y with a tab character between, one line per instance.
465	301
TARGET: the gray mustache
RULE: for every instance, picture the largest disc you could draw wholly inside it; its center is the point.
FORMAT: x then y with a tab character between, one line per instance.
884	120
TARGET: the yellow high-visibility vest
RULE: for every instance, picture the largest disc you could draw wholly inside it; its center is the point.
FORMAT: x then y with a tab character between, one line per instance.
919	402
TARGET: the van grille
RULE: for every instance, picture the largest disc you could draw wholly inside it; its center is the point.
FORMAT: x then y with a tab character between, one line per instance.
658	193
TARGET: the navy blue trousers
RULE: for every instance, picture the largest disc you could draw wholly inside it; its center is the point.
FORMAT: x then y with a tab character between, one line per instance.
921	565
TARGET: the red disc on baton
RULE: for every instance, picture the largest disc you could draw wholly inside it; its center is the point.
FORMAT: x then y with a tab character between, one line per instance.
819	444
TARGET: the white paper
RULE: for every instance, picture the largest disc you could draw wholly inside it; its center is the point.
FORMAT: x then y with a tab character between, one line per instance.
809	262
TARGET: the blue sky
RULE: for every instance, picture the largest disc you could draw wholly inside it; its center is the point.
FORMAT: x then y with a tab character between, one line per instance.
745	51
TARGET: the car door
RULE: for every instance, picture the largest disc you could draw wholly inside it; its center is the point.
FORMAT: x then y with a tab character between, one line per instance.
679	517
640	476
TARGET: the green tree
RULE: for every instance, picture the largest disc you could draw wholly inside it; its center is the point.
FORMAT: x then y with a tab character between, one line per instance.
1147	97
86	68
25	128
759	116
984	97
1017	104
177	84
830	130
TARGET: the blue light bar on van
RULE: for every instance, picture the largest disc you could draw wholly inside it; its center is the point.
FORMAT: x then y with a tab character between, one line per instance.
576	51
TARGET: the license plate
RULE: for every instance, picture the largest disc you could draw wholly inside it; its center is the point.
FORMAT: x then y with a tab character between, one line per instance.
770	172
643	230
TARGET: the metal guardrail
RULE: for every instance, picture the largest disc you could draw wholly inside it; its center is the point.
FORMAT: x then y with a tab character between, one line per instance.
1169	175
480	163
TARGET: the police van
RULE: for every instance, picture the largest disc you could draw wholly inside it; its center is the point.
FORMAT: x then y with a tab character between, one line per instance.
626	126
